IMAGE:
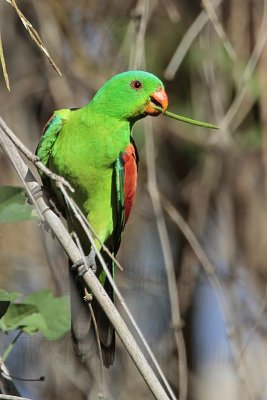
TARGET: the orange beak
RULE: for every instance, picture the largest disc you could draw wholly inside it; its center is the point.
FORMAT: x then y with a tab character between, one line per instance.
158	98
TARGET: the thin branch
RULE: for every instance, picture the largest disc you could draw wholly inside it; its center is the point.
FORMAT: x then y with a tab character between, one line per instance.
103	382
248	72
140	17
215	283
219	29
255	327
171	9
6	381
9	397
168	261
3	63
9	348
85	225
186	42
91	282
34	34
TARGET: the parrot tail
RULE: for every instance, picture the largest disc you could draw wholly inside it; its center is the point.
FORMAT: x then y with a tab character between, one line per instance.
82	327
106	331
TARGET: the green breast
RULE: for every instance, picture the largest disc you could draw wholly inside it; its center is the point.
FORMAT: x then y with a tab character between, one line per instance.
85	153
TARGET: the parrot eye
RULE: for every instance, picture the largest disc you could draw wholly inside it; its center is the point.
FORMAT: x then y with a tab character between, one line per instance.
136	85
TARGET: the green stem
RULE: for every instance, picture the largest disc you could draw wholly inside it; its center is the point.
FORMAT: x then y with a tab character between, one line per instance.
10	347
187	120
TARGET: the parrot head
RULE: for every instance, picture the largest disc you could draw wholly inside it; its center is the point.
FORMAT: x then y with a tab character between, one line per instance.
131	95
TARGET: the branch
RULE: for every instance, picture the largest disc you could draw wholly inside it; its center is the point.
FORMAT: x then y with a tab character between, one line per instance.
186	42
9	397
90	280
177	323
209	269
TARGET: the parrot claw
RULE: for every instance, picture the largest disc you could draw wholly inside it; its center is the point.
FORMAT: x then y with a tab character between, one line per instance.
90	263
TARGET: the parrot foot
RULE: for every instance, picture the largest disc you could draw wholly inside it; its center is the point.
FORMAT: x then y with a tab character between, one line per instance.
90	263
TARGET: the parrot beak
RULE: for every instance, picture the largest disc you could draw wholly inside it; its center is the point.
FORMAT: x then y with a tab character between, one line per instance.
160	99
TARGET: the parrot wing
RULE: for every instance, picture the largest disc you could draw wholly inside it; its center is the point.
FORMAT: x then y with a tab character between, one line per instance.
126	181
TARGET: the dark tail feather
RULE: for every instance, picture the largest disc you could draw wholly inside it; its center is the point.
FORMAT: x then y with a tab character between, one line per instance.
82	327
82	330
106	331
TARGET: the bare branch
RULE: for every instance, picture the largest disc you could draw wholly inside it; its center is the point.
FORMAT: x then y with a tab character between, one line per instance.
186	42
3	63
216	285
9	397
248	71
34	34
219	29
168	261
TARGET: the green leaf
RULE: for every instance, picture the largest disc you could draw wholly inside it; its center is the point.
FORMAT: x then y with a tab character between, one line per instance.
39	312
186	119
13	205
54	314
15	316
5	296
5	299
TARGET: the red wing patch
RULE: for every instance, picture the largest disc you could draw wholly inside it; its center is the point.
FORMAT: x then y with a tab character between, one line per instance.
130	178
48	123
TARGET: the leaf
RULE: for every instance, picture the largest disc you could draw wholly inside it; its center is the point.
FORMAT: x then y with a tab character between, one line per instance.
13	206
3	307
5	299
54	313
15	316
5	296
39	312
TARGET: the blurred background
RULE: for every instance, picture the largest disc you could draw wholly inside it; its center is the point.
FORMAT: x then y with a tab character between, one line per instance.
202	194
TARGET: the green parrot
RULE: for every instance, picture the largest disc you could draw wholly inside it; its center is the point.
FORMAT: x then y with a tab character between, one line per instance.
93	149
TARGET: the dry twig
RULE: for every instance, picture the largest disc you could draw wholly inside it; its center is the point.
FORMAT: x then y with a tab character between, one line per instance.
34	34
186	42
3	63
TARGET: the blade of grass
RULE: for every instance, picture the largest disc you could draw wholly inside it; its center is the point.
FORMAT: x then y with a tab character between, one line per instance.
3	63
34	34
186	119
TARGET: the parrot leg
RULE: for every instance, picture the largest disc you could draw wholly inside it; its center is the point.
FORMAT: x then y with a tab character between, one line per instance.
90	263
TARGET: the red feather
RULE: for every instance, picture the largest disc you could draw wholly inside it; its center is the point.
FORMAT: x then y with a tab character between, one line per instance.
130	178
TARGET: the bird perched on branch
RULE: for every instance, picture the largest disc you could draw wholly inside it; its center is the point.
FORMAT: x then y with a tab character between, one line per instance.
93	149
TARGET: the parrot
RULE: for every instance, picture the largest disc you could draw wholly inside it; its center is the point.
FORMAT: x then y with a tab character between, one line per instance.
92	148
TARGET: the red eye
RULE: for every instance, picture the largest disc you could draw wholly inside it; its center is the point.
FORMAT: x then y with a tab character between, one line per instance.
136	85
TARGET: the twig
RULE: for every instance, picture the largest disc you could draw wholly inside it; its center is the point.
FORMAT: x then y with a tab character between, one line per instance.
214	281
9	348
186	42
168	261
33	157
254	328
89	226
34	34
9	397
90	280
140	19
171	10
248	71
77	241
7	384
219	29
3	63
84	223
